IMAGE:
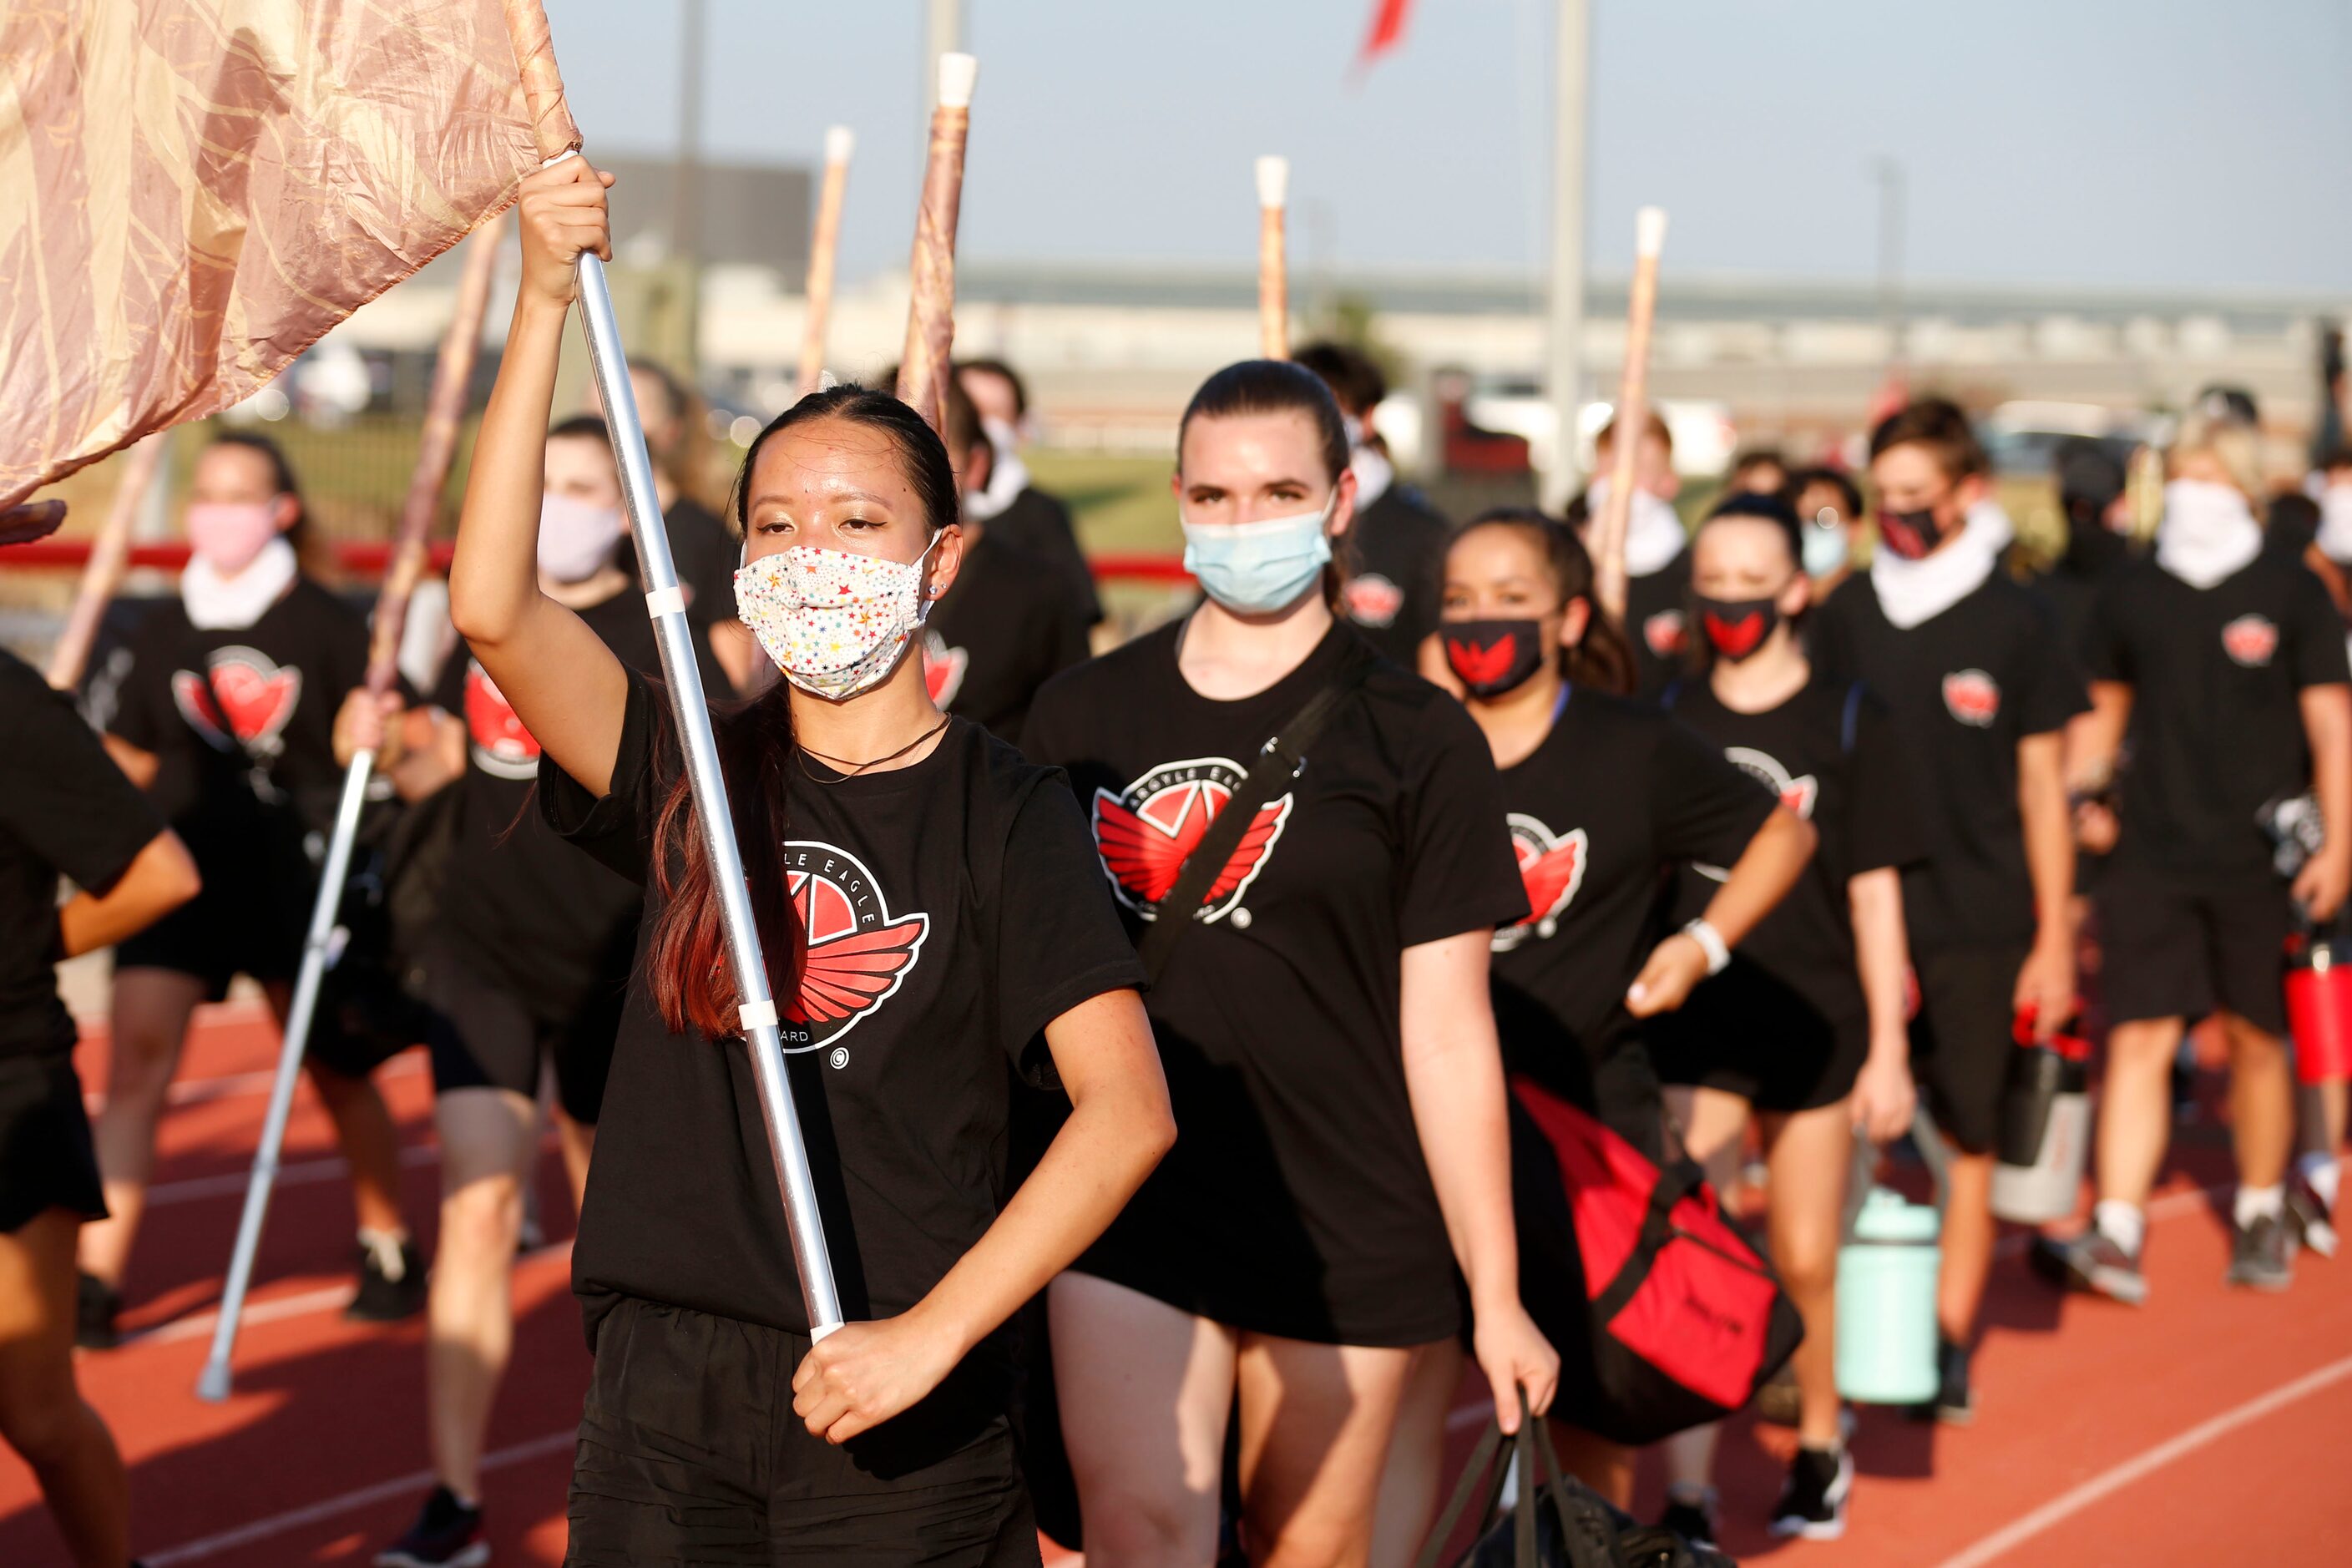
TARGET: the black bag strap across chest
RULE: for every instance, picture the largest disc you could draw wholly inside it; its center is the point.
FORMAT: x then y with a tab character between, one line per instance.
1279	762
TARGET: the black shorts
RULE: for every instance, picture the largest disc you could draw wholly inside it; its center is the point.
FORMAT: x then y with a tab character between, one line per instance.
46	1158
484	1035
690	1453
2173	948
1962	1037
251	924
1749	1034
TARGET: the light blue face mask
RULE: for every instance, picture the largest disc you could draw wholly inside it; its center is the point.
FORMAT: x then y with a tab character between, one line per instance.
1256	568
1825	550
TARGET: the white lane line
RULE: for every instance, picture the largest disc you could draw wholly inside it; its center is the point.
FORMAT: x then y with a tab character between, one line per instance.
2061	1509
302	1172
199	1324
365	1497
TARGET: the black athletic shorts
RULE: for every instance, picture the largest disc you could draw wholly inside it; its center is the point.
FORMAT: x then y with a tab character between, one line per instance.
1962	1037
690	1453
253	925
484	1035
46	1158
1749	1034
2175	948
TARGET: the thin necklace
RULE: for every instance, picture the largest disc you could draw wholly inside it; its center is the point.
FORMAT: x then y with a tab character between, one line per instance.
849	770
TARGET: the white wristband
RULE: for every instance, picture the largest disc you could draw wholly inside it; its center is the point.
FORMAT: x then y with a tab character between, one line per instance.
1710	942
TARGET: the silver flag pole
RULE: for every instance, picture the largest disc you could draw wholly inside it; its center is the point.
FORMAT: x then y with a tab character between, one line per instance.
666	604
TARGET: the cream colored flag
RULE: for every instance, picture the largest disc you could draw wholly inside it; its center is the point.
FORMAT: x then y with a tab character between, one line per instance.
192	191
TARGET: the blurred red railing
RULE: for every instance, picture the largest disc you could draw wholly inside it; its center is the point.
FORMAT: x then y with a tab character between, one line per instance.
368	559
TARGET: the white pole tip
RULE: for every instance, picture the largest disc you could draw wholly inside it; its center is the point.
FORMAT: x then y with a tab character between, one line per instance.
1273	181
840	141
1650	231
957	73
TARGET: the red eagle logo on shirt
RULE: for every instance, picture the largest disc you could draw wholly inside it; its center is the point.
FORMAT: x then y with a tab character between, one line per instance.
1144	832
1972	697
1373	600
943	670
259	694
501	747
1551	868
854	952
1797	794
1480	664
2251	640
1663	632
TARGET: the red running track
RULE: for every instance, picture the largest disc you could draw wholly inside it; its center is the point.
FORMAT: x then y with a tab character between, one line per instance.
2208	1426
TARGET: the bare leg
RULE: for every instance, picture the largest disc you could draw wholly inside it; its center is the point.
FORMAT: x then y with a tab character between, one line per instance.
42	1414
578	1141
1968	1239
2136	1109
1415	1476
2262	1103
1606	1467
1808	1153
486	1147
1712	1120
363	1131
1145	1391
1316	1425
151	1009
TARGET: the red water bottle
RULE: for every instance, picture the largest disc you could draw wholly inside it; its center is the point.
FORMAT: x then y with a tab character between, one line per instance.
2319	1005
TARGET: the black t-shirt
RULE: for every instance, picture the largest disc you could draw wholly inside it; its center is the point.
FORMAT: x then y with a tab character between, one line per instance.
705	551
65	810
1600	815
1040	524
1964	687
545	919
1297	1201
951	911
1654	607
1396	585
1830	755
2216	730
1007	626
269	766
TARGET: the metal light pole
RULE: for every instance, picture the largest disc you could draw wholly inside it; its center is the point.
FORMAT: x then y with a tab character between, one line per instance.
1889	174
943	34
1563	362
686	189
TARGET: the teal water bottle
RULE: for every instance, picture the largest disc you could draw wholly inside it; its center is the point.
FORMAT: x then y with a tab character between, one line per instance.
1886	1304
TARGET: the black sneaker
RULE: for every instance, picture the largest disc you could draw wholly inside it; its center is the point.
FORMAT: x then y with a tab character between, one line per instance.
97	1304
2307	1219
2092	1262
1955	1403
1812	1503
2262	1256
446	1534
1693	1521
392	1283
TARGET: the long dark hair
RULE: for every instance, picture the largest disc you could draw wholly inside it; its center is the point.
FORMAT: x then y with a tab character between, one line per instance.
1277	387
685	958
1602	659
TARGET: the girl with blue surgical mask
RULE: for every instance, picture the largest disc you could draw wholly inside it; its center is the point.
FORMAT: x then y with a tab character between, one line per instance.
1320	1003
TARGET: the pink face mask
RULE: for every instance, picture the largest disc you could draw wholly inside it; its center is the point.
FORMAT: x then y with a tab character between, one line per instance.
230	534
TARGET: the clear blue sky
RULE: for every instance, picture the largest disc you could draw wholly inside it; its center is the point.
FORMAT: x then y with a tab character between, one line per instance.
2156	143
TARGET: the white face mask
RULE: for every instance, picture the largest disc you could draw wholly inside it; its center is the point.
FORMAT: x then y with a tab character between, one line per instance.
576	538
836	623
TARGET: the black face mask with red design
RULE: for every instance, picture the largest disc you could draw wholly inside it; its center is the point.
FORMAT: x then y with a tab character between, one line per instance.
1912	534
1734	628
1490	657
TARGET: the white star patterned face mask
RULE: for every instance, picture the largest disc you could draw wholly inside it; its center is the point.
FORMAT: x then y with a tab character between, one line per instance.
836	623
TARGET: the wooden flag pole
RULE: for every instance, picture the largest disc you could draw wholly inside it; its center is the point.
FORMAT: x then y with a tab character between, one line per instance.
928	356
445	410
1631	417
101	575
1272	261
690	711
839	142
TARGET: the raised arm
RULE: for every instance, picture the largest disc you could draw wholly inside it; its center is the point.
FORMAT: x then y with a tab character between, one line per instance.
566	685
1453	1075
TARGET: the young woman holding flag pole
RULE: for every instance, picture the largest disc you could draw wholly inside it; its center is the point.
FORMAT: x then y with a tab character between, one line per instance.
933	908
